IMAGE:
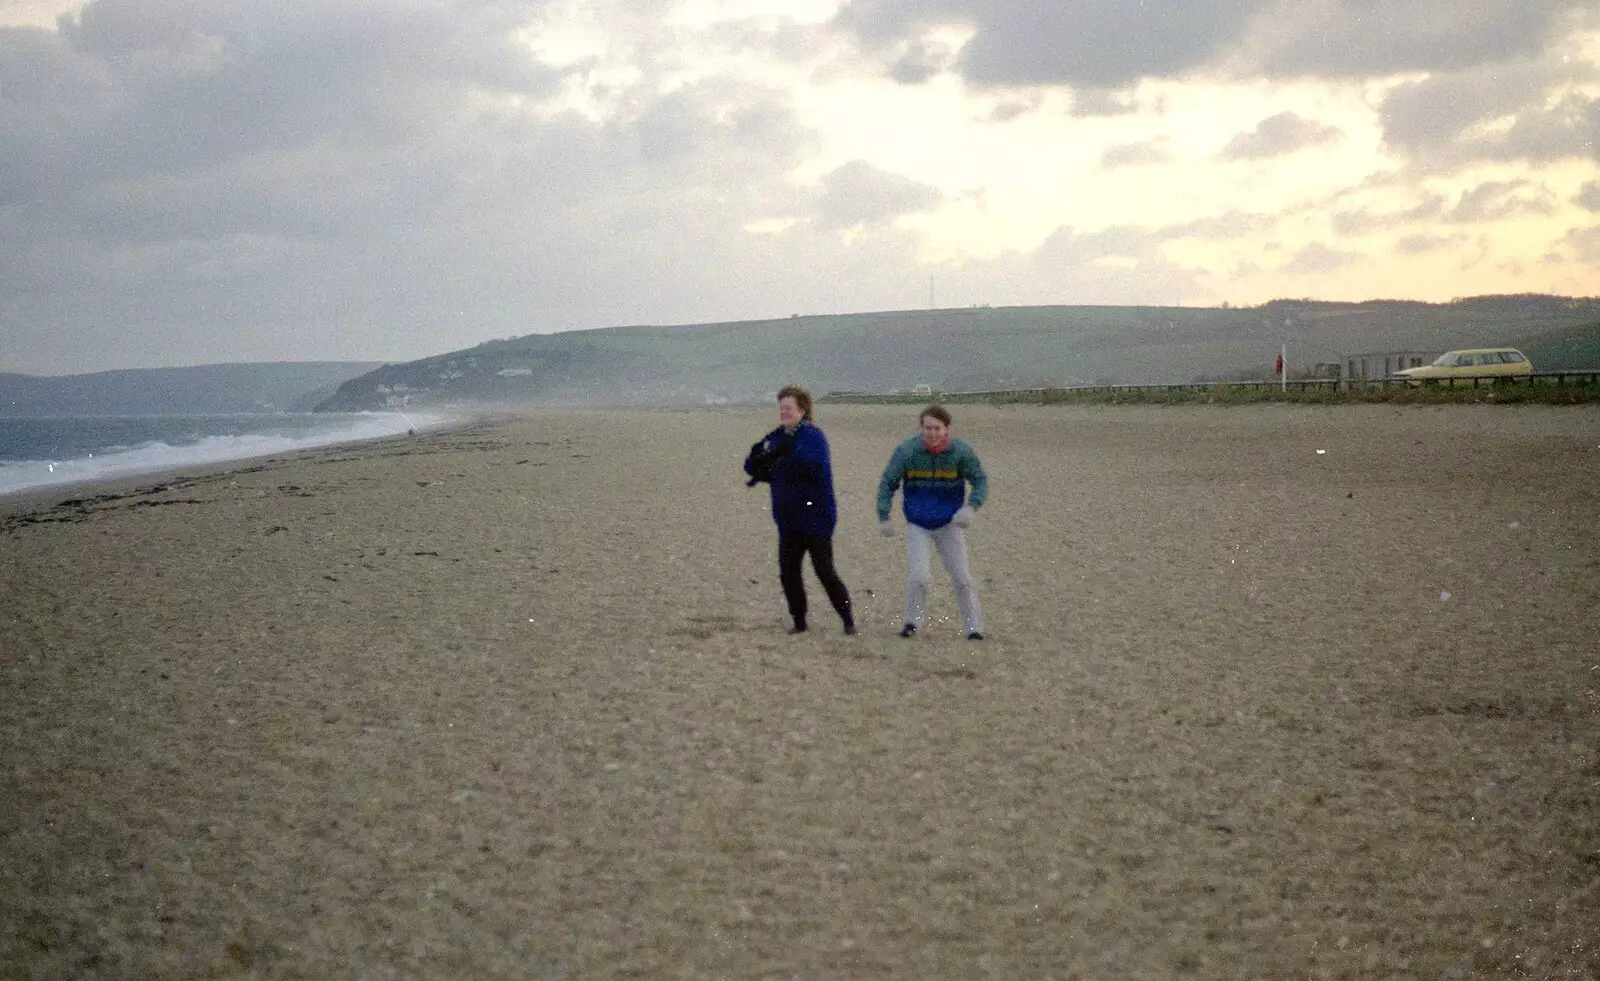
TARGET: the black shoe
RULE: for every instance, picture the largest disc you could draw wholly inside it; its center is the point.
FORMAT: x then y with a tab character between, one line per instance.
797	629
974	636
849	630
909	630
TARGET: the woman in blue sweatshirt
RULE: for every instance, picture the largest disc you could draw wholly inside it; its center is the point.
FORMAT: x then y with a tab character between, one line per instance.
794	458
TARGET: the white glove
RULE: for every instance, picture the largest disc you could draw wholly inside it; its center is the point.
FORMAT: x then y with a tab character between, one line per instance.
963	518
886	528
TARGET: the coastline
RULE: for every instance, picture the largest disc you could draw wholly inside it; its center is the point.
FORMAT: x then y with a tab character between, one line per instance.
1269	691
186	458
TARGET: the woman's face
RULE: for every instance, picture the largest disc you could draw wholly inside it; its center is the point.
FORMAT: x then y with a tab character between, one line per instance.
934	431
789	414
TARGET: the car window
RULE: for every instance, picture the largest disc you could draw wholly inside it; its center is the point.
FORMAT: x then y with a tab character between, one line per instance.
1512	357
1463	360
1490	358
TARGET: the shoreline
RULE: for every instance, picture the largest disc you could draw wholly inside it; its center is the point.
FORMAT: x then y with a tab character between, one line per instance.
121	476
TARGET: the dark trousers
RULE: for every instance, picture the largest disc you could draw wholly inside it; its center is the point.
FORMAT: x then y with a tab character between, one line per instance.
792	549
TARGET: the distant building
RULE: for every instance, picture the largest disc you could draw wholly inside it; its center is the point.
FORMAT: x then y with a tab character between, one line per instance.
1383	364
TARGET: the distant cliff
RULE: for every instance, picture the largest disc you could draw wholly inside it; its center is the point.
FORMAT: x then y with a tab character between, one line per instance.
964	349
205	390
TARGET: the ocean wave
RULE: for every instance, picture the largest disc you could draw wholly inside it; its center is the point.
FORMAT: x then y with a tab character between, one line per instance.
262	436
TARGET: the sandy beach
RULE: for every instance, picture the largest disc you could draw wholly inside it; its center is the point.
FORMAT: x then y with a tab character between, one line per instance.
1268	692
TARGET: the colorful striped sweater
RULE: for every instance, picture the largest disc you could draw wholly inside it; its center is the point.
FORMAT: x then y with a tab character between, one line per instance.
935	483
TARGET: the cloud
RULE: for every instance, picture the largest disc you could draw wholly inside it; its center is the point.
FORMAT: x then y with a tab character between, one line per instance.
1104	43
1093	103
1355	222
1132	154
1586	242
1118	265
129	90
1569	129
1588	196
1113	44
1232	226
921	61
1318	258
35	13
1278	135
1006	110
1118	240
1498	201
1420	243
859	194
1523	110
1375	38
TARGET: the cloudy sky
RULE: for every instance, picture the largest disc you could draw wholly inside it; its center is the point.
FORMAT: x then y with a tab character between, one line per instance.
204	181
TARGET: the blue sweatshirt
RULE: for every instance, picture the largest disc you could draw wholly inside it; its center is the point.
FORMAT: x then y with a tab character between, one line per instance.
935	483
802	481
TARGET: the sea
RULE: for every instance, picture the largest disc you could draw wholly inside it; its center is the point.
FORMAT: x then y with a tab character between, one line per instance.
46	452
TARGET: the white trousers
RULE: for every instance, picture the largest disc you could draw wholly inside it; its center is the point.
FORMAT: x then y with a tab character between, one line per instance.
952	545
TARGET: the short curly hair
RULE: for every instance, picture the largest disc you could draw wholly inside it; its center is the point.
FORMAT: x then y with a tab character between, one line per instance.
802	398
938	412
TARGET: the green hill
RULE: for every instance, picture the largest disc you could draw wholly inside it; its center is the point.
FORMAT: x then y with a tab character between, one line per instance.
1570	349
958	349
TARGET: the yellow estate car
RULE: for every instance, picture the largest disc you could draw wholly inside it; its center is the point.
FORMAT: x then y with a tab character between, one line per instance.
1497	362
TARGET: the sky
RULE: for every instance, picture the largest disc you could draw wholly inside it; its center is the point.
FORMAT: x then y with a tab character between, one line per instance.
217	181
